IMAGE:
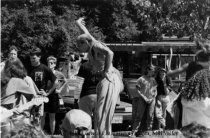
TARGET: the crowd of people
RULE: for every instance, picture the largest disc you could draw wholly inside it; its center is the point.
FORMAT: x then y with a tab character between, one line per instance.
100	92
190	106
20	86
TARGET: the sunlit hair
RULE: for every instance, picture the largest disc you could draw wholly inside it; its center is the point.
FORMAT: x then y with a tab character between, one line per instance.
84	37
14	69
13	48
52	58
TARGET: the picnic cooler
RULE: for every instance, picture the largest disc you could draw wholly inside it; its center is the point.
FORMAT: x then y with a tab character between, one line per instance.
72	89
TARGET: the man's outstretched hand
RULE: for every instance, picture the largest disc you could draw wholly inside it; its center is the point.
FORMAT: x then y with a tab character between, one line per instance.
81	21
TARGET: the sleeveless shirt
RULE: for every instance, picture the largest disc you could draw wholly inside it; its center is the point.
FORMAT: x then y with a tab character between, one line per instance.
96	59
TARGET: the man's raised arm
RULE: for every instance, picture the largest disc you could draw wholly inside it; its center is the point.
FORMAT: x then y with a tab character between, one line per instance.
81	24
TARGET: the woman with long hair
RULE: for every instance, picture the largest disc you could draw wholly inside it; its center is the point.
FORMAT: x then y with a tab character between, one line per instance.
15	82
16	91
163	89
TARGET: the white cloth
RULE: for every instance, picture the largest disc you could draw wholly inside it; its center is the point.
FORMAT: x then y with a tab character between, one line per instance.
15	85
196	111
4	114
31	84
2	65
107	97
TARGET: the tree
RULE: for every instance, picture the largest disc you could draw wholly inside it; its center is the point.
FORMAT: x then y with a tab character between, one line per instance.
49	26
183	17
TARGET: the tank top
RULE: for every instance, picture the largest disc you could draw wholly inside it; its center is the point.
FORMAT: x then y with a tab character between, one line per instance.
96	59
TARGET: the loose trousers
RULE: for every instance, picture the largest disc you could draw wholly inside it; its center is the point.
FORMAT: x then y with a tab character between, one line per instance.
107	95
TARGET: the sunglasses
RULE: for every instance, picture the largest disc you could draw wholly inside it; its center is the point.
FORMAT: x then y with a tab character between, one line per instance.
51	62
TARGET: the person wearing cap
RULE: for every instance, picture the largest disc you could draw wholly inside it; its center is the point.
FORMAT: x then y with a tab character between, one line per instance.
194	102
75	120
53	104
146	87
41	75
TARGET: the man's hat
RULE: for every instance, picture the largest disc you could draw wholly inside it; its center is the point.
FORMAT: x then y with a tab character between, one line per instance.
77	119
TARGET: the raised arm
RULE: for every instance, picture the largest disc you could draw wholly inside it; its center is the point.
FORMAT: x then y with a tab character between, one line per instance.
81	24
170	59
178	71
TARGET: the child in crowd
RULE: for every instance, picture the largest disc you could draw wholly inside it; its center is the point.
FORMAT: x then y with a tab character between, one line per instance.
146	88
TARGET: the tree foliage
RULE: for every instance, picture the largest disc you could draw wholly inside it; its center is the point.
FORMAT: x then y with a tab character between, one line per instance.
50	25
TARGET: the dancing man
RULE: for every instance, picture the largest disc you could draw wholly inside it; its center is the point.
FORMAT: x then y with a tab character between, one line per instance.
110	84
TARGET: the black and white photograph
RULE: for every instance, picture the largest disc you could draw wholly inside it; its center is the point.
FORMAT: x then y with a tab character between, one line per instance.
105	69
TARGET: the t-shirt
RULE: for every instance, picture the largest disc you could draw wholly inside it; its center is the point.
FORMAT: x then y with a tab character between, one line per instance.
90	82
148	86
41	75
